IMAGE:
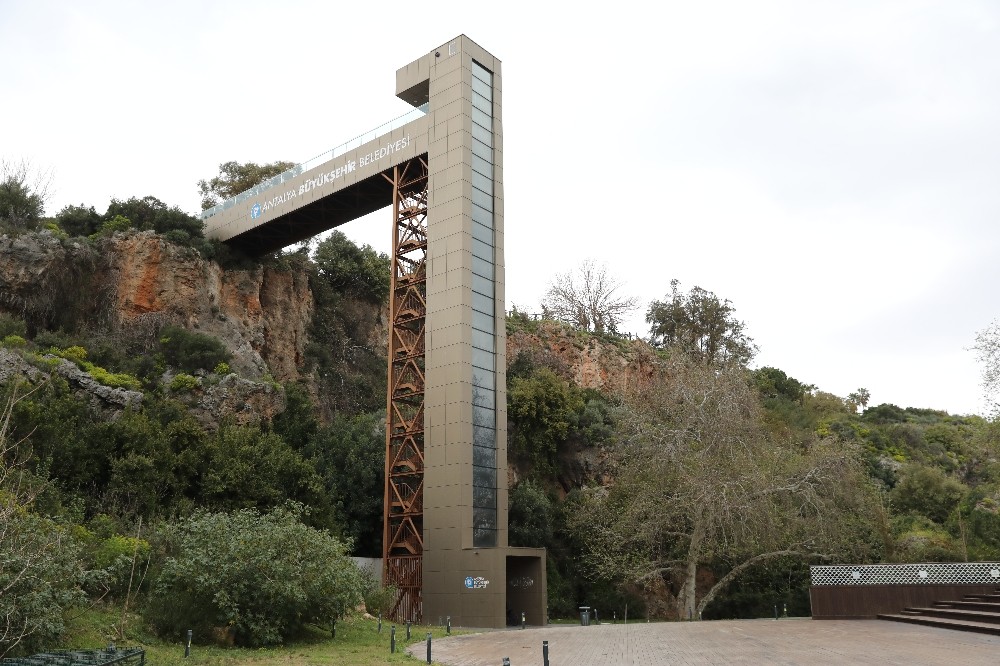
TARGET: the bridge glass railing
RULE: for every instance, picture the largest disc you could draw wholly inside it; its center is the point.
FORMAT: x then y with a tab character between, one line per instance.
286	176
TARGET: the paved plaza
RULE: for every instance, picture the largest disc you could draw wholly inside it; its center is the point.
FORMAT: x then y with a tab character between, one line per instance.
729	642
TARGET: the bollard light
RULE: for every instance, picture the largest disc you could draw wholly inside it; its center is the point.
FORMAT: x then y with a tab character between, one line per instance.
392	640
187	648
545	653
428	647
407	630
333	629
449	625
380	623
522	619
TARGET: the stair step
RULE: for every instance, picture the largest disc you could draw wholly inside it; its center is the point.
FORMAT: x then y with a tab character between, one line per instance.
971	604
959	614
944	623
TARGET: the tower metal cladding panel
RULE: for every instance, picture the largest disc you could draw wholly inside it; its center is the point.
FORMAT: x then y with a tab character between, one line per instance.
465	493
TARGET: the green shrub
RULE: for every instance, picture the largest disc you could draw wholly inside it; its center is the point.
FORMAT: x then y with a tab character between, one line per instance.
263	576
76	354
41	577
178	236
11	325
114	556
116	223
112	379
521	321
360	271
222	369
56	230
544	413
184	382
378	598
13	341
43	363
79	220
149	213
52	339
191	351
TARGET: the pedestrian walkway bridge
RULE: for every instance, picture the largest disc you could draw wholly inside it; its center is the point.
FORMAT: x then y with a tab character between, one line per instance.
334	187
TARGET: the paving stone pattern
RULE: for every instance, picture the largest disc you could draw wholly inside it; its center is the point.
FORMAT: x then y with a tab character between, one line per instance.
729	642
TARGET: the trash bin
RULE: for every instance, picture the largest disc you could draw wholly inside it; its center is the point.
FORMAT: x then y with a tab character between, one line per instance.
584	616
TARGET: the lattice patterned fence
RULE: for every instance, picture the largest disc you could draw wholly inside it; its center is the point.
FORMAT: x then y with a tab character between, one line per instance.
131	656
931	573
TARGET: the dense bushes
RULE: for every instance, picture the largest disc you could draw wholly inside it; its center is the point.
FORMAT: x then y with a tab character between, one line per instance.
190	351
261	576
40	565
547	416
41	573
349	455
151	214
359	271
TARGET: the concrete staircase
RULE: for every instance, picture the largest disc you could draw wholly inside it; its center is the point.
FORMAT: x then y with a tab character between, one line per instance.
975	612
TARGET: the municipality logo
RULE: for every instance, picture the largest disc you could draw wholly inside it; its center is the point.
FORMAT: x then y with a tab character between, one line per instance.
256	211
476	582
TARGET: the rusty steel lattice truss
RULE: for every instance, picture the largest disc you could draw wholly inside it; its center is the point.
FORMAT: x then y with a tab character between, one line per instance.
402	538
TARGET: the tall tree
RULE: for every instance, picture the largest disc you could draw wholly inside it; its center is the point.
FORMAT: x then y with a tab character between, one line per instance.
587	298
700	323
858	398
361	271
41	573
234	178
151	214
79	220
700	482
987	350
349	455
23	192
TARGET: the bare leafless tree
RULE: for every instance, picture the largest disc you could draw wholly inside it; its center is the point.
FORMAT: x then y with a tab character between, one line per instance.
24	189
987	350
701	481
588	298
39	560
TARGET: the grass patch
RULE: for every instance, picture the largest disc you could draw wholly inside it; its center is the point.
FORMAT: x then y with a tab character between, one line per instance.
358	642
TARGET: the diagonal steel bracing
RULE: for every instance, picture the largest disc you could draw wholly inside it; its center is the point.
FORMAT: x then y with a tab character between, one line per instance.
402	538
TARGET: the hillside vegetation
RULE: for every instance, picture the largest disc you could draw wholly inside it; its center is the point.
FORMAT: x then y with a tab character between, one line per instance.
198	437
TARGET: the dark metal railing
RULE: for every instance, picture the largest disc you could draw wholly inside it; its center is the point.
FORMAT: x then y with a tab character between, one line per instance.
104	657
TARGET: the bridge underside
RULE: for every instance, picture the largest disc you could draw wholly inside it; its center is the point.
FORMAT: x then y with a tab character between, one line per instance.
323	214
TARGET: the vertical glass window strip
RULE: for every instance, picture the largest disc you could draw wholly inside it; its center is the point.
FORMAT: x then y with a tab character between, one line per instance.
484	217
480	149
484	435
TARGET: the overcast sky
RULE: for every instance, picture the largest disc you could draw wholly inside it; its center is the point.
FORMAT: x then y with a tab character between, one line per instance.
832	168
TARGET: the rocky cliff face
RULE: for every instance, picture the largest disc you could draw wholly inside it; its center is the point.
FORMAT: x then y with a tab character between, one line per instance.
607	365
589	361
262	314
133	284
